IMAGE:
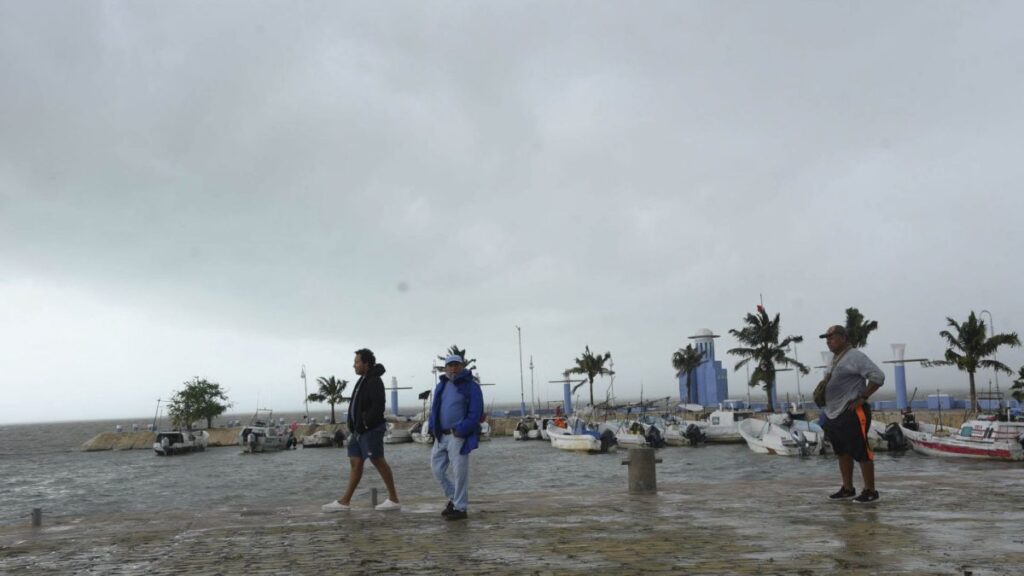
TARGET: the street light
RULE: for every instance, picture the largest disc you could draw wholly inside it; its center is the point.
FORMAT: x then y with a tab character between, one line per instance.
991	334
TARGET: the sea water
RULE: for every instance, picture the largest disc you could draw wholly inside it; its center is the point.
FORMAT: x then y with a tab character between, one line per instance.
42	466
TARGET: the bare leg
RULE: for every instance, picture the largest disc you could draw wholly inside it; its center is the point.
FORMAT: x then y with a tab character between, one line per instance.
385	474
867	470
846	470
355	474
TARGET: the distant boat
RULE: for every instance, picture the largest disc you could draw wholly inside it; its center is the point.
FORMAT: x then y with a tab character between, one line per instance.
178	442
578	436
420	433
985	439
262	435
323	439
722	425
776	436
528	428
396	435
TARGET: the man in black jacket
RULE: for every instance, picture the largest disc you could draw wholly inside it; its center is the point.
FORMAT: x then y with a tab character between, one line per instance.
366	427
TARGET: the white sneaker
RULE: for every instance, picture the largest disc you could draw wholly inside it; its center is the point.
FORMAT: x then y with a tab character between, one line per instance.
334	506
389	505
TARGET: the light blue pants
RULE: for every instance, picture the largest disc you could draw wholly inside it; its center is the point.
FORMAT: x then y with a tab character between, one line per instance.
445	452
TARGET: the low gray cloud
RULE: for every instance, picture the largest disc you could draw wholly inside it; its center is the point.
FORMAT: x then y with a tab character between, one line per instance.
233	190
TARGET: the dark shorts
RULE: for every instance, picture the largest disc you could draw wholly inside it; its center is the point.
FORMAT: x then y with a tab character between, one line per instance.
848	433
369	445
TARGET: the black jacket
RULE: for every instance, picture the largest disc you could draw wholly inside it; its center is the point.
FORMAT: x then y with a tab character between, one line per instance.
366	410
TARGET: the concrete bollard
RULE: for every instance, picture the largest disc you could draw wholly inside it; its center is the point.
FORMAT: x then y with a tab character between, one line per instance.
373	497
37	516
642	477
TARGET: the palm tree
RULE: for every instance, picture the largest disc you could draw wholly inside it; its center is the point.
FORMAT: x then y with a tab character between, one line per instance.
970	347
330	391
592	366
454	349
1018	386
685	361
857	328
761	339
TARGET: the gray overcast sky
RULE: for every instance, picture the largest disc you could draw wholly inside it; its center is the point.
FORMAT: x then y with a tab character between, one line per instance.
234	189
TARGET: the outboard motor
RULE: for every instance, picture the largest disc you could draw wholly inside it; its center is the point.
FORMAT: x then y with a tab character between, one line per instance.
909	421
654	438
694	434
523	430
894	438
607	440
801	440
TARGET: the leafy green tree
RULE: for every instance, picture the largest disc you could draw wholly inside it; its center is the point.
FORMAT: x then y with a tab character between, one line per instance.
592	366
331	391
1018	386
470	363
970	347
685	361
199	400
857	328
761	345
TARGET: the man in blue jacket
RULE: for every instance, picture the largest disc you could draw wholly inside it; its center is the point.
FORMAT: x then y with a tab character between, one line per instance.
455	415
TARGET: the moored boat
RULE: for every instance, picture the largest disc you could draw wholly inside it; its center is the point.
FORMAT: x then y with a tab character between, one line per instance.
180	442
262	435
775	436
984	439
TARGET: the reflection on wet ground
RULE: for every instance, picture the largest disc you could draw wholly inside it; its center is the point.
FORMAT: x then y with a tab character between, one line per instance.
736	527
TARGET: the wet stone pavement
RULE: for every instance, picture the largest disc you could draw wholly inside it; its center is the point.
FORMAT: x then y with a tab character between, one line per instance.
760	527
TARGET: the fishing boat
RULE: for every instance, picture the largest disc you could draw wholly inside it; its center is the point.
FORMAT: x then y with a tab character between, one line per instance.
776	436
722	425
985	439
527	428
420	433
577	436
262	435
395	435
179	442
324	439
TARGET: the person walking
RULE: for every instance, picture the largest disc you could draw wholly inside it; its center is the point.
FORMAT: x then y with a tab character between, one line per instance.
455	414
366	427
851	380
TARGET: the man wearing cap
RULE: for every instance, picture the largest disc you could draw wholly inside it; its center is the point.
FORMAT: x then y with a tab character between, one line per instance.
366	426
455	415
849	413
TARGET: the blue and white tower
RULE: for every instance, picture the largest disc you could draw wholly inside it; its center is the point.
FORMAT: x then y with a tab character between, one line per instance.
710	381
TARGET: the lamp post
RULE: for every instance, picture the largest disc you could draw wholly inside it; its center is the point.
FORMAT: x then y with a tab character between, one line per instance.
991	334
305	389
522	393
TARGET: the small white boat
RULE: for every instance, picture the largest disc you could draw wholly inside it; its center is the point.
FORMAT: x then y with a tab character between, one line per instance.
262	435
485	432
396	435
985	439
178	442
527	429
775	436
581	438
420	433
323	439
722	425
644	431
679	432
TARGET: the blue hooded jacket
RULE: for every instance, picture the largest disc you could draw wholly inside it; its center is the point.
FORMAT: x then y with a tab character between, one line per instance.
469	426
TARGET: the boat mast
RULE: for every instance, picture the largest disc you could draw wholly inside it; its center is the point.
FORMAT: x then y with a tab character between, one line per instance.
533	399
522	393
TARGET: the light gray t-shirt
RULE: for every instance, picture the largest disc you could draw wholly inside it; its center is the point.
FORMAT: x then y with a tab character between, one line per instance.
847	381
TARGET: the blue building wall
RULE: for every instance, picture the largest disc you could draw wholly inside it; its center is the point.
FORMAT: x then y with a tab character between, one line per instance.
710	380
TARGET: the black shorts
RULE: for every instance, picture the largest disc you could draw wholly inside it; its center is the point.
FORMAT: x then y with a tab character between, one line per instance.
848	433
369	445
